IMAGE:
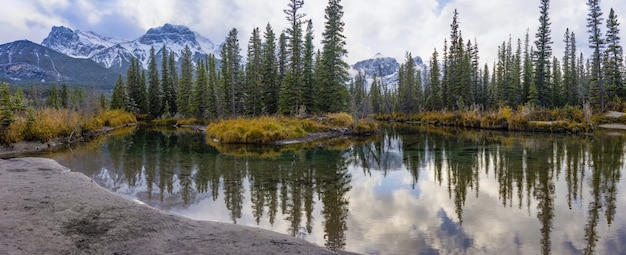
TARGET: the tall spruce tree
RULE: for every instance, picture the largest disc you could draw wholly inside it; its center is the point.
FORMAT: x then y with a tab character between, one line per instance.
269	72
185	105
119	98
543	55
434	100
614	57
291	90
527	69
596	43
212	87
254	75
334	70
201	91
165	83
155	94
308	82
376	96
173	84
231	83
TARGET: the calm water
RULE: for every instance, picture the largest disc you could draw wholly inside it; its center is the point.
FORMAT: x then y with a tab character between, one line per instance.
411	190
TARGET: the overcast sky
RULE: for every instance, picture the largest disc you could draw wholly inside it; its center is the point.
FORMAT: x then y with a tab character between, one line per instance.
389	27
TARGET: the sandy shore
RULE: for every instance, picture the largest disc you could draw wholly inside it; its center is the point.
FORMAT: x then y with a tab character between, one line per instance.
46	209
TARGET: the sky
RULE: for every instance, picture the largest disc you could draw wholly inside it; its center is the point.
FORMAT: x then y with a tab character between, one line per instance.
389	27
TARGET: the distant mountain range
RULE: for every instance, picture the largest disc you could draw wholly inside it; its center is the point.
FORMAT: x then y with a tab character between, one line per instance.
385	68
89	59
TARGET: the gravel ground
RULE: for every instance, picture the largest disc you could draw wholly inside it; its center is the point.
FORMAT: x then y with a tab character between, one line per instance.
46	209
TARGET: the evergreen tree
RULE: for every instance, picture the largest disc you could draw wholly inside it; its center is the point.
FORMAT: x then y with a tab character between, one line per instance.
231	83
185	99
557	87
291	91
173	84
570	83
596	43
527	73
53	98
200	91
375	96
254	91
136	92
119	99
614	57
434	100
165	83
155	94
334	70
65	96
212	101
542	57
270	79
308	90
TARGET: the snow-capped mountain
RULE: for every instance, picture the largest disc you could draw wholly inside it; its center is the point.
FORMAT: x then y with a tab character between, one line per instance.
78	44
386	68
116	53
26	62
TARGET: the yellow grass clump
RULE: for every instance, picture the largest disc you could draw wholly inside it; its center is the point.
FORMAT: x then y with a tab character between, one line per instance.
257	130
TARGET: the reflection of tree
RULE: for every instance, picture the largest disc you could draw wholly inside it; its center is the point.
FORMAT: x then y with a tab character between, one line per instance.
607	158
334	184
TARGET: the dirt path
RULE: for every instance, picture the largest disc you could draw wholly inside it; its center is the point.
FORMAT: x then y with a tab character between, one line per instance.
46	209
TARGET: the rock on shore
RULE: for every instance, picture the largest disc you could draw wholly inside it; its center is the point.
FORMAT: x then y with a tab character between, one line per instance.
46	209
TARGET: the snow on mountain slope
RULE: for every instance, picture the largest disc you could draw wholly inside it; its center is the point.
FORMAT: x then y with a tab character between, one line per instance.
78	44
116	53
384	68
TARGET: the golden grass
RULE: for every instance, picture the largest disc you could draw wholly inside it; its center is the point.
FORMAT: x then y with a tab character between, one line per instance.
524	118
47	124
267	129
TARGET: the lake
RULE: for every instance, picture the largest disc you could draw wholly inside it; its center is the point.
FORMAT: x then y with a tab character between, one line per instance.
408	190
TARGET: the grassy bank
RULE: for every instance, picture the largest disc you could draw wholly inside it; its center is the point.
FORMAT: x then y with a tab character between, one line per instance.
524	118
268	129
49	123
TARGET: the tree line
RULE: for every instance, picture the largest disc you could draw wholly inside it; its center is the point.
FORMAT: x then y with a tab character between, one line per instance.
523	74
281	74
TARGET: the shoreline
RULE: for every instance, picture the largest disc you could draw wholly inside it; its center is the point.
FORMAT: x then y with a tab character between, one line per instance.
47	209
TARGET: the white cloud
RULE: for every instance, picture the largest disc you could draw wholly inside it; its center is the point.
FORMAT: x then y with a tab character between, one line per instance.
372	26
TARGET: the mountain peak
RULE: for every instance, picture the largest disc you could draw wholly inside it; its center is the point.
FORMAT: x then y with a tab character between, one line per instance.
379	55
168	28
168	33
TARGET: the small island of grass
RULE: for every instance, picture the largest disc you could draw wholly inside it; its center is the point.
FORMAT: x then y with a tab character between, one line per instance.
283	130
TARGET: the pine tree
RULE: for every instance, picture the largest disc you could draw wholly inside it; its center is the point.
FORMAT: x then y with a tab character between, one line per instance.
173	84
332	90
308	90
557	86
155	94
614	63
269	73
596	43
213	99
527	69
570	83
65	96
254	90
375	96
291	91
119	99
200	91
434	100
165	83
185	105
542	57
231	83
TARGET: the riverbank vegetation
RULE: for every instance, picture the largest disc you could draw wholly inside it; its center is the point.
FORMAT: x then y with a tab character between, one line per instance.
266	130
66	114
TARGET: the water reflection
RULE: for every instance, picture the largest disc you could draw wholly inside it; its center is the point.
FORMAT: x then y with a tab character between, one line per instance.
414	189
